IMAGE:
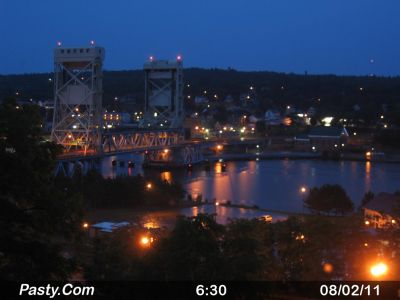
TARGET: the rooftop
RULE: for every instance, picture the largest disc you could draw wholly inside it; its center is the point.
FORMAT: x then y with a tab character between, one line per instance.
328	131
109	226
386	203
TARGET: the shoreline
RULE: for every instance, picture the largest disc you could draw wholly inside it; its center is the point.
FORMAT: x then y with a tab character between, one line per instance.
270	155
144	215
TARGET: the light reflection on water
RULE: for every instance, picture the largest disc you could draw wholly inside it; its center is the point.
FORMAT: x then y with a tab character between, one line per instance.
271	184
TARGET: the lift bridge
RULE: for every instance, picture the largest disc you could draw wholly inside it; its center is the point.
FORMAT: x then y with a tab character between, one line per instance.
77	119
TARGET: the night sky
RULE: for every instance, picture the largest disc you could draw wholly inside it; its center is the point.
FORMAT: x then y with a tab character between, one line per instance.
357	37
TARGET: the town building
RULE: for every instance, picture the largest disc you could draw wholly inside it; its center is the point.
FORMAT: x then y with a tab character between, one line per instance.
382	211
273	117
322	138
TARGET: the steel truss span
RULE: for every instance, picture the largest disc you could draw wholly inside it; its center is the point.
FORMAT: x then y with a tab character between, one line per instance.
137	140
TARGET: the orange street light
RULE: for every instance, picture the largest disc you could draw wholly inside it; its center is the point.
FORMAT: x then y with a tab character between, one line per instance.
149	186
145	241
85	225
328	268
303	189
378	270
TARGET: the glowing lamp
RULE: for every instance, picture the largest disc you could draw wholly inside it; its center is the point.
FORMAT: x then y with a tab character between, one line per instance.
328	268
379	269
145	241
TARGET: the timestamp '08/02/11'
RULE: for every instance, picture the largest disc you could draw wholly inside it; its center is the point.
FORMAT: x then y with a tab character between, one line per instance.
211	290
336	290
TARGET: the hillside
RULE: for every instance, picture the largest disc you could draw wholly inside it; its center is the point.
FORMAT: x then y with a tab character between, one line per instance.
336	94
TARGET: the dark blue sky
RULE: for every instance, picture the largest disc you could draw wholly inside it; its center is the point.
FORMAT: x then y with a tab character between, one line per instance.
320	36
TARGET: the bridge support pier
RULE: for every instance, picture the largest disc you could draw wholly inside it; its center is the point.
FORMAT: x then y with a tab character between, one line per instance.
177	156
70	167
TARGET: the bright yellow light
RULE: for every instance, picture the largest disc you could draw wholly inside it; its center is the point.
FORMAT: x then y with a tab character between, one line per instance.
166	150
145	241
368	153
149	186
379	270
85	225
217	203
303	189
366	222
393	221
365	244
219	147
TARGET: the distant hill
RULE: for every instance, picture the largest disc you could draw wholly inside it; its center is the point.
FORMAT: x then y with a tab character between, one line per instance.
337	94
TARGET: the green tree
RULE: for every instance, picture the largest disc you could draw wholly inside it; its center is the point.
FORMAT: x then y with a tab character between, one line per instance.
248	247
192	251
329	198
37	220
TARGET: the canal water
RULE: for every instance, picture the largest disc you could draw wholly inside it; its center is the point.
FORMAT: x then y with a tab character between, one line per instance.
269	184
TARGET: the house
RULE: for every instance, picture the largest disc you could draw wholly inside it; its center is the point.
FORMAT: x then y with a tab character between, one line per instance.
106	227
382	211
273	117
200	100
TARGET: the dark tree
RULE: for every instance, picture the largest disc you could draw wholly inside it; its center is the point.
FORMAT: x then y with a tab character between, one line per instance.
192	251
261	128
248	249
329	198
368	196
36	219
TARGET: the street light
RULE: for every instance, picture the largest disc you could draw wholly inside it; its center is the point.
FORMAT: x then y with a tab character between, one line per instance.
146	241
149	186
379	270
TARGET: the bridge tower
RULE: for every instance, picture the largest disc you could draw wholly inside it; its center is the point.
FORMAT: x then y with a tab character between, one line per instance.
78	80
163	94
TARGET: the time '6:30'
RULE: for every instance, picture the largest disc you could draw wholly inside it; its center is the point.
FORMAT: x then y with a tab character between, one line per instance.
212	290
